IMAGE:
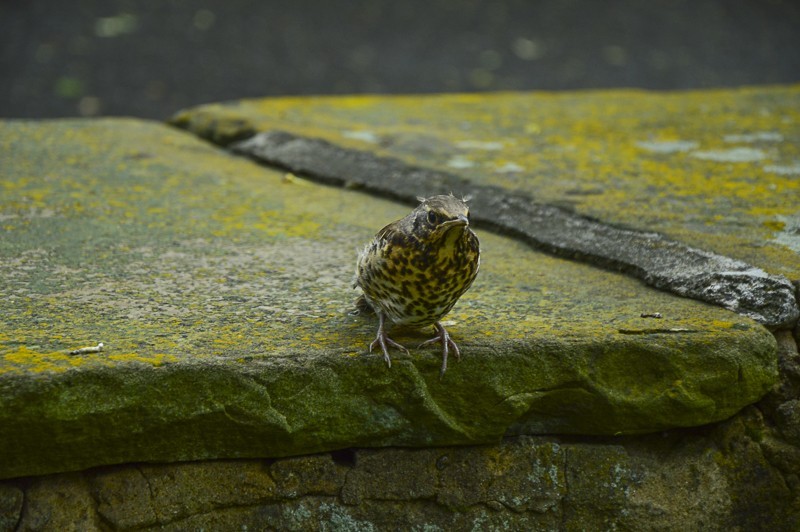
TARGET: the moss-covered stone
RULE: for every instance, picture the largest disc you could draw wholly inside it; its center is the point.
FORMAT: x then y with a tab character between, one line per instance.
717	169
708	479
221	292
11	499
647	255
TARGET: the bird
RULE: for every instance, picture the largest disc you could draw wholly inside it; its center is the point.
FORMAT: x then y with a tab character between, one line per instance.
416	268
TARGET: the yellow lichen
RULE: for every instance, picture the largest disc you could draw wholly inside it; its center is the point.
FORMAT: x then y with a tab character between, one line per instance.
24	359
567	142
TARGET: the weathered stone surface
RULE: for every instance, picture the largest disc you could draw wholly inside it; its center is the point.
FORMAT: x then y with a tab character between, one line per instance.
630	158
221	292
661	262
59	503
716	170
11	499
712	479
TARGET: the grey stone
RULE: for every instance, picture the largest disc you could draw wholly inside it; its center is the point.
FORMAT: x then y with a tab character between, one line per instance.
734	476
222	294
663	263
59	503
11	499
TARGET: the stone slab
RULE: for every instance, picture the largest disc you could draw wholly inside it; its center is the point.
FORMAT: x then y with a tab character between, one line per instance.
221	292
716	169
647	255
712	478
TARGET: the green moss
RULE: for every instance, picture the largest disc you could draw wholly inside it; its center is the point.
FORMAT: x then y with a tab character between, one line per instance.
221	291
593	150
758	491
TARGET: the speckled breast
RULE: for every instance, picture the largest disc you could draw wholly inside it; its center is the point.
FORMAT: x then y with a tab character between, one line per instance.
414	284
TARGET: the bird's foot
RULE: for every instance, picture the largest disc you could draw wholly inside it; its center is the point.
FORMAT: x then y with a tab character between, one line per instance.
447	344
385	342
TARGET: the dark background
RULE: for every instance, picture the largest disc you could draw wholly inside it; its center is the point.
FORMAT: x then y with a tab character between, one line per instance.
151	58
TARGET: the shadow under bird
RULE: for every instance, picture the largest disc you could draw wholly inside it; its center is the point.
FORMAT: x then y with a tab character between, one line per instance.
416	268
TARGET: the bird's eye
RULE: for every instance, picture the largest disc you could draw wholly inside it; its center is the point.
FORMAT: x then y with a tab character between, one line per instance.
433	218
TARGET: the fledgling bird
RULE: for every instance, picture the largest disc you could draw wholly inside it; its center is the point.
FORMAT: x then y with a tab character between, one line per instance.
416	268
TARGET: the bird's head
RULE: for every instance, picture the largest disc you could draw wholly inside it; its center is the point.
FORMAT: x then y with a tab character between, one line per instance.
440	217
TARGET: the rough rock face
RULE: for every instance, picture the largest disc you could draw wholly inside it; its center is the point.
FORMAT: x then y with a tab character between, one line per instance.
657	260
221	292
718	478
223	311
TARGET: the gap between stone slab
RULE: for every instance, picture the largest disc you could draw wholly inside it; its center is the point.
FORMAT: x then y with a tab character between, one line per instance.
656	260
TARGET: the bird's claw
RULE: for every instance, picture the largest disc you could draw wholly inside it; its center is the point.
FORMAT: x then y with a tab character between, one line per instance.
447	343
385	342
382	339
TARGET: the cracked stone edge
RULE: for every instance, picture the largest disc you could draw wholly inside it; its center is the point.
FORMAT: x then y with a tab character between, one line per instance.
653	258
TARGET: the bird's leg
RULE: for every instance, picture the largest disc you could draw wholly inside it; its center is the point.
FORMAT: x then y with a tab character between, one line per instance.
447	343
383	339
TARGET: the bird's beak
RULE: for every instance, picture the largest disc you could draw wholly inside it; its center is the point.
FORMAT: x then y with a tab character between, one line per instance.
461	220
